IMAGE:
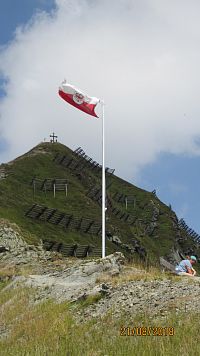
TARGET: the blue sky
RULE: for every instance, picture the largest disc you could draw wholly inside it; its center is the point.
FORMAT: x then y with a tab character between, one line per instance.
18	12
150	87
176	180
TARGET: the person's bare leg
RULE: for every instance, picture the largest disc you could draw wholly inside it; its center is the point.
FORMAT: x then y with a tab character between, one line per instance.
185	274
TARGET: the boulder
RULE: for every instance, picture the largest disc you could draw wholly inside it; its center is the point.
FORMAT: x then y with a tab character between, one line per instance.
116	240
3	249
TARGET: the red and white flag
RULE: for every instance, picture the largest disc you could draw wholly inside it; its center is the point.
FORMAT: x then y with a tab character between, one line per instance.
78	99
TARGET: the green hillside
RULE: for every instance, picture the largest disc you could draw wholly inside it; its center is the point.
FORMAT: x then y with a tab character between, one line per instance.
138	222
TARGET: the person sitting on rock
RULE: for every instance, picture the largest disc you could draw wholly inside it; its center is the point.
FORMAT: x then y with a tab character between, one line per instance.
184	268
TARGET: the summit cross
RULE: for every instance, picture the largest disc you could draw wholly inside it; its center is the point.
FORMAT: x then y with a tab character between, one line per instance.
53	138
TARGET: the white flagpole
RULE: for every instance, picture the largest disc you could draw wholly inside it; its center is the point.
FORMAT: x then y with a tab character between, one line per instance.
103	185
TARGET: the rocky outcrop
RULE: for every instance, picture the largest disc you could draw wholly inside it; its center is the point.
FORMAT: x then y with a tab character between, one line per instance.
153	297
3	173
15	250
77	281
85	279
152	225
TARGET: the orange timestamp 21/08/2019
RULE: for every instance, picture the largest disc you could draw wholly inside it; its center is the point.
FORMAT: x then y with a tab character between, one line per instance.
147	331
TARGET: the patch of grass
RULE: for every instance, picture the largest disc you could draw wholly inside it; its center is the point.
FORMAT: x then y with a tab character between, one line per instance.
49	329
136	271
3	284
131	274
8	272
89	300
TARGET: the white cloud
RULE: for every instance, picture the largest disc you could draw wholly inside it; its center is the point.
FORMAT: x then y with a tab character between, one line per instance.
141	57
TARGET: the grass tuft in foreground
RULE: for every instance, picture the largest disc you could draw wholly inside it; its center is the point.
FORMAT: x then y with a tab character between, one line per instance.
50	329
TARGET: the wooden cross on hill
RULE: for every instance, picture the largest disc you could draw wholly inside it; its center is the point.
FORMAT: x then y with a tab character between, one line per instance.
54	138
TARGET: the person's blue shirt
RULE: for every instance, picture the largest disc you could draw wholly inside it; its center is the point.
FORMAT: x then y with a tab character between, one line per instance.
181	267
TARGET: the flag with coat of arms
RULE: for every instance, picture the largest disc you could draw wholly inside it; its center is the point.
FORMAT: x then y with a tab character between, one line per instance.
78	99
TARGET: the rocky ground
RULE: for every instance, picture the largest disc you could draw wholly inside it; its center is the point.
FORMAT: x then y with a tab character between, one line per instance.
155	298
118	288
15	251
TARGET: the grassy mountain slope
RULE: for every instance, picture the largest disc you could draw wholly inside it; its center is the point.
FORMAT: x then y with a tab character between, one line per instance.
145	224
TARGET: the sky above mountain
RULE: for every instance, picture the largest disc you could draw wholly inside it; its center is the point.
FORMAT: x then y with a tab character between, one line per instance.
140	56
